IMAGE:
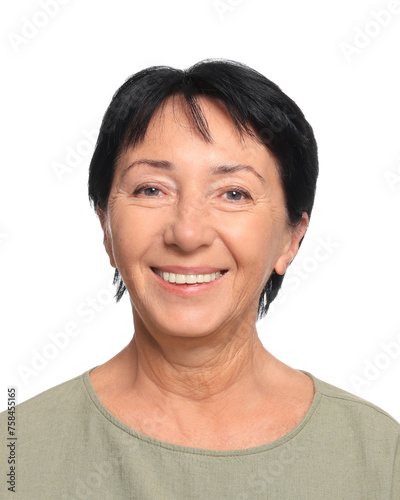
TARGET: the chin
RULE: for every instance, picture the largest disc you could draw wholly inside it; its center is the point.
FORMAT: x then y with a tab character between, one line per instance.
189	323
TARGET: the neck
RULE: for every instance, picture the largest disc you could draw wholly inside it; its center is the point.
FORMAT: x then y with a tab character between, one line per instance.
193	370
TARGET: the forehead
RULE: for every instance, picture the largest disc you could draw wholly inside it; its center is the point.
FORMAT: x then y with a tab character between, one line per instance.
174	128
175	111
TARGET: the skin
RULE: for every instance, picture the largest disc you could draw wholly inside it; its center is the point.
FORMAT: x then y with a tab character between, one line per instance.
195	372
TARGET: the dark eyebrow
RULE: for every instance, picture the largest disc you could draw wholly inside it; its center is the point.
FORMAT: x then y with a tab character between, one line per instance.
227	169
153	163
216	170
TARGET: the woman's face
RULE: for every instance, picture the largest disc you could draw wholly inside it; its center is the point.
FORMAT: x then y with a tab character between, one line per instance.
178	203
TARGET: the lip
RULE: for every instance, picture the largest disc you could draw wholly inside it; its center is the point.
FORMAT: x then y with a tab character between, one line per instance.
186	290
189	270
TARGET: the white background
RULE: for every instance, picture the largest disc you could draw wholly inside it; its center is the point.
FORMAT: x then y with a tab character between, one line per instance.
338	309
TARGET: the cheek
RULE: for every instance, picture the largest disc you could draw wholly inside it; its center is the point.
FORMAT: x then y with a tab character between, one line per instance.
249	238
133	232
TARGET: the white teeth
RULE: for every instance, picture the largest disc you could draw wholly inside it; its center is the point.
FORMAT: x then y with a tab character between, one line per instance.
180	278
188	278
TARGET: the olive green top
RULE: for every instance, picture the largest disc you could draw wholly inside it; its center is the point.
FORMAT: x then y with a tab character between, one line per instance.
69	446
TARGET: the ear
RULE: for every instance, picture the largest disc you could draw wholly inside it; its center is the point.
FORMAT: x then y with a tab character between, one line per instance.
103	216
292	247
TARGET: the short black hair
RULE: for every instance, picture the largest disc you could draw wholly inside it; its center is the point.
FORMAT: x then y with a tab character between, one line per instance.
251	100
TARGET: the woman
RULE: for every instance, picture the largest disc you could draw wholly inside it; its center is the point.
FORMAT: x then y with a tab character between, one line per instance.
204	182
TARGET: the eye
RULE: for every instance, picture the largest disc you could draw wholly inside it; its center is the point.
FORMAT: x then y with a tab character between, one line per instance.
149	191
237	194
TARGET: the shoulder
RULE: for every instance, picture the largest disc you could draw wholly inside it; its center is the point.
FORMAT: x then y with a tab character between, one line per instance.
346	410
56	441
356	435
54	404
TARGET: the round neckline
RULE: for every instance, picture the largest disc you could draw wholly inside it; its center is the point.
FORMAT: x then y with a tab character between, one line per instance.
204	451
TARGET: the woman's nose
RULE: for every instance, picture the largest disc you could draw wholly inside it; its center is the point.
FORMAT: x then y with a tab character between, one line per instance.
189	226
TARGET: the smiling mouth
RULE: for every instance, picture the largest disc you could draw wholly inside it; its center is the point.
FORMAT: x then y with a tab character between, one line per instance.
188	279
